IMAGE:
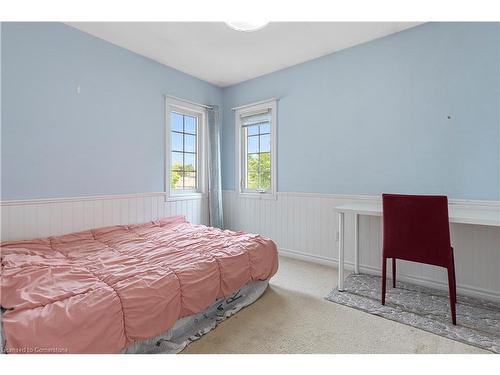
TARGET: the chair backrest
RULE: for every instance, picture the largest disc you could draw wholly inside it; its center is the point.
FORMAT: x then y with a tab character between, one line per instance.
416	228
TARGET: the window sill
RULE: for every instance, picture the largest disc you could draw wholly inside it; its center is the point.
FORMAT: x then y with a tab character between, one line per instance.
184	197
259	196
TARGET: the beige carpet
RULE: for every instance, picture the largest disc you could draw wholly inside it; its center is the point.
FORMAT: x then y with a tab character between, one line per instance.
293	317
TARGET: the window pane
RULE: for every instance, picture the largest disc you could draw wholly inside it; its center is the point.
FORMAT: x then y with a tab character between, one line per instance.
189	162
189	143
190	180
252	181
252	171
190	124
176	180
253	130
176	141
265	162
253	144
265	143
177	163
176	122
266	128
265	181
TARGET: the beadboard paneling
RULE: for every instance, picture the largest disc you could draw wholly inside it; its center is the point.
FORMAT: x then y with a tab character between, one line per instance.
27	219
305	226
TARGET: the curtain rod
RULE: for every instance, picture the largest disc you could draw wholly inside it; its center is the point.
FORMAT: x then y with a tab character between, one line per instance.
252	104
188	101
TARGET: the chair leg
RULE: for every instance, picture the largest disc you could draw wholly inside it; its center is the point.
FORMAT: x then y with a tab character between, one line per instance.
454	275
453	294
393	272
384	271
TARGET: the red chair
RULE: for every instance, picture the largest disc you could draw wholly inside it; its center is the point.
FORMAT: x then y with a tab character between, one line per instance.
416	228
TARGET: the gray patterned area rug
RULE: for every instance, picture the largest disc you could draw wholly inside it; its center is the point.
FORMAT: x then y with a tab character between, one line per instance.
478	321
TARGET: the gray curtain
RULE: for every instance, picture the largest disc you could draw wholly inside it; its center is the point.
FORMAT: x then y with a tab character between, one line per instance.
214	176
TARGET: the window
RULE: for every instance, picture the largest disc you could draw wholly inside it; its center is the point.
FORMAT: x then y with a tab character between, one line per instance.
256	127
185	149
183	145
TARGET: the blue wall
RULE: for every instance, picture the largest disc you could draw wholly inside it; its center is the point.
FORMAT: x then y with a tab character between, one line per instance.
109	139
364	120
373	118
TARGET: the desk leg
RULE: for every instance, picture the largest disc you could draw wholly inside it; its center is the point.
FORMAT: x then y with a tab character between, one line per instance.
356	243
341	252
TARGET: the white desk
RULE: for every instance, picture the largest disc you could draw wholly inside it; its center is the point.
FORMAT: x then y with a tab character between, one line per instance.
490	217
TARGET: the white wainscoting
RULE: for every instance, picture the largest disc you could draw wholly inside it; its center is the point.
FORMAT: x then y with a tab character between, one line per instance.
305	226
28	219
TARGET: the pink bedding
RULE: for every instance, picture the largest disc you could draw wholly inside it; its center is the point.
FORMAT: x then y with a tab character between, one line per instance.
100	290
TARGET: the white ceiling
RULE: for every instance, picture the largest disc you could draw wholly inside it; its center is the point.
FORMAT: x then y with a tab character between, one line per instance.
222	56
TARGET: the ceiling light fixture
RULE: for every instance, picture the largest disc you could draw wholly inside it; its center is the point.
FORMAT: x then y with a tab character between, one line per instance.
247	26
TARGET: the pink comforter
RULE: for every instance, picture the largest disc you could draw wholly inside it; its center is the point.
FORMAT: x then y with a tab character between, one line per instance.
99	291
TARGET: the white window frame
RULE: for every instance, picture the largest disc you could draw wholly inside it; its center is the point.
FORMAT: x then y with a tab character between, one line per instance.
240	147
198	111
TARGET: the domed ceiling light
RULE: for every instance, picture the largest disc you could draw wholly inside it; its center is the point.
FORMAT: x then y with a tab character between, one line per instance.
247	26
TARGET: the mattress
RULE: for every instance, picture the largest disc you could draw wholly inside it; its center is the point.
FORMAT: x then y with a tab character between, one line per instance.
107	289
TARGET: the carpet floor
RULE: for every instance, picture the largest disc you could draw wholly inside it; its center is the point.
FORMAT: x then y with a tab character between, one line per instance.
293	317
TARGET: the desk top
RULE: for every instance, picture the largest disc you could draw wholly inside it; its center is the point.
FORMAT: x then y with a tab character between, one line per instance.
490	217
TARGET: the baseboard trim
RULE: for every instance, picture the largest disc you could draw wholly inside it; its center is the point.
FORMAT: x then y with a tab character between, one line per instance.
312	258
349	266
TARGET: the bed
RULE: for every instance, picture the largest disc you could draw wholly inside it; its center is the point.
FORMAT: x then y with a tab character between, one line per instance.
135	288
